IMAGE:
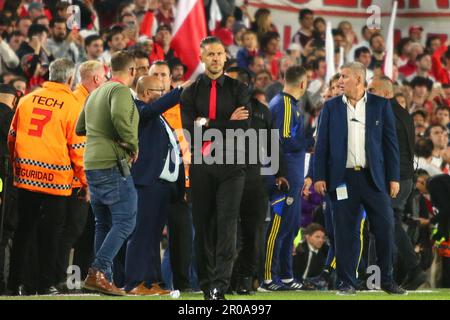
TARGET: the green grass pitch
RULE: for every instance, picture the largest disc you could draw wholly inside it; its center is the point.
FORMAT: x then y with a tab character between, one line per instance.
436	294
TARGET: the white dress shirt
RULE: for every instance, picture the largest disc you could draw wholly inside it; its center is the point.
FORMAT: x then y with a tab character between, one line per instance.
356	119
312	252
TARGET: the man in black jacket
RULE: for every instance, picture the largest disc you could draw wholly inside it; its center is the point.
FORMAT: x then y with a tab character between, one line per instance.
8	205
255	197
405	133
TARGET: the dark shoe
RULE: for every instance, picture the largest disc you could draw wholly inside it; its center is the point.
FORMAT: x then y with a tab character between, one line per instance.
394	288
50	291
345	290
293	286
245	286
96	281
207	295
414	280
217	294
22	290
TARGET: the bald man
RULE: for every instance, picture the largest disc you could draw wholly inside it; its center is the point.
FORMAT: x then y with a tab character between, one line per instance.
155	174
404	124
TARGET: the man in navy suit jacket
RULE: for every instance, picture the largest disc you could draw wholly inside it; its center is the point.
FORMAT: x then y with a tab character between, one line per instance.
357	162
154	174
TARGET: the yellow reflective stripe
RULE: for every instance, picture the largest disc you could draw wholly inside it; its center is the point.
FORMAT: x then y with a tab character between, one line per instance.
333	263
361	239
287	117
270	246
278	201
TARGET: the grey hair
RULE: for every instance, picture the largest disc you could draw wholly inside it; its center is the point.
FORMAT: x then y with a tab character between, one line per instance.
61	70
356	67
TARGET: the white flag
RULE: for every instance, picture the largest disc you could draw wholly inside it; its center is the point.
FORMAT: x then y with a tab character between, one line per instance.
329	45
389	59
214	15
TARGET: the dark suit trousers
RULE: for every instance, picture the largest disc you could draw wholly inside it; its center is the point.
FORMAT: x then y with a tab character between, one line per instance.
362	190
75	220
216	198
254	206
403	245
40	215
180	243
143	260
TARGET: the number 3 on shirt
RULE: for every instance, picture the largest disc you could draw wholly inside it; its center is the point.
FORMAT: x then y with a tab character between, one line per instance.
39	123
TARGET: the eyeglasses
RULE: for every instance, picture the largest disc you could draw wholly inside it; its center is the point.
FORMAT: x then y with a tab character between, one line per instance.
160	91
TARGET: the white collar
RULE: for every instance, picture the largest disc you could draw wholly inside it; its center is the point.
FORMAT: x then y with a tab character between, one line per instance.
311	249
345	99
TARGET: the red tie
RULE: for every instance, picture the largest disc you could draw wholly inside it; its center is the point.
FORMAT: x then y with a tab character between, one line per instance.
206	149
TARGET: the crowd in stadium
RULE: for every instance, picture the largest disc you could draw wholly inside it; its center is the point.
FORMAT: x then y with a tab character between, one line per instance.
44	232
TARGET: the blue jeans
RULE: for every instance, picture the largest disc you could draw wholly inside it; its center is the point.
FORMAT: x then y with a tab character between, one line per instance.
114	203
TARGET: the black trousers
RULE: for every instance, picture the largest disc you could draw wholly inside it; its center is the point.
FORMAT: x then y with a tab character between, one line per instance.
216	199
404	254
41	221
180	242
75	220
83	255
253	210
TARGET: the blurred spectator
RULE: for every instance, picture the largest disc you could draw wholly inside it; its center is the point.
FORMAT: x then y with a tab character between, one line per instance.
320	28
411	66
433	43
8	58
163	38
294	51
42	20
35	10
23	23
166	12
59	45
15	40
256	65
263	24
424	157
366	34
225	31
423	68
350	36
363	55
438	135
415	33
20	84
115	41
443	116
262	80
420	94
378	48
250	49
277	86
310	255
441	64
131	28
177	70
305	33
142	68
403	51
270	50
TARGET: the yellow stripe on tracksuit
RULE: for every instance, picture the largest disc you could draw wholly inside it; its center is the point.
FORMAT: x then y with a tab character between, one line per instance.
270	246
287	118
361	238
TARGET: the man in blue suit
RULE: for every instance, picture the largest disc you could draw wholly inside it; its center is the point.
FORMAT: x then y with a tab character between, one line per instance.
357	162
157	169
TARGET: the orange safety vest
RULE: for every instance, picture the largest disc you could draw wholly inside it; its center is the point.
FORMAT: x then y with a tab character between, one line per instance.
45	151
173	117
81	94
